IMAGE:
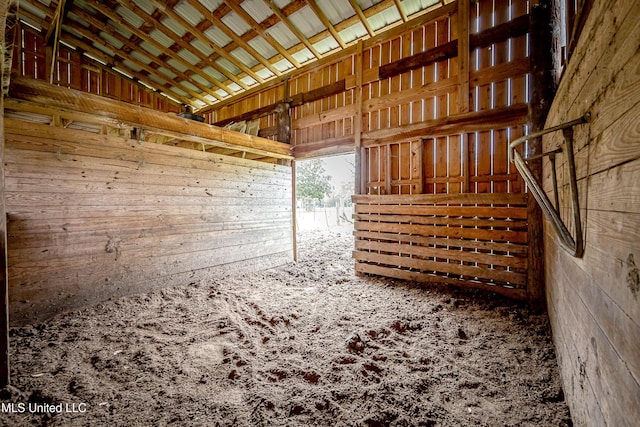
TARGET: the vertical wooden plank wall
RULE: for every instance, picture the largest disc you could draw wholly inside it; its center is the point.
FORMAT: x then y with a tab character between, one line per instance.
94	216
406	145
594	302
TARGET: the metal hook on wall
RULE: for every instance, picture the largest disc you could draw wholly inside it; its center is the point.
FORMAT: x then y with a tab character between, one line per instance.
572	245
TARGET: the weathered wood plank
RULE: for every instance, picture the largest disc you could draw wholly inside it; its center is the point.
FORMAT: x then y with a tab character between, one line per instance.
448	253
451	232
442	267
69	99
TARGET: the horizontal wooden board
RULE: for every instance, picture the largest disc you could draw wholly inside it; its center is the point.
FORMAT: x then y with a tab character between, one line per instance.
416	276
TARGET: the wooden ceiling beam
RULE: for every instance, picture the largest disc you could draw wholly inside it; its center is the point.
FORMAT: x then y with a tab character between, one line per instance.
155	23
403	15
35	95
111	14
89	33
56	20
287	22
258	28
200	36
91	20
325	21
213	19
111	63
362	17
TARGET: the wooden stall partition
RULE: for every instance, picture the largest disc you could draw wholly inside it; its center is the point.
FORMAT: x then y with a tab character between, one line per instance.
93	216
473	240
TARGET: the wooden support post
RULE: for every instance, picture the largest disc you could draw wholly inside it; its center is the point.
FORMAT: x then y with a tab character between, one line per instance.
361	182
463	89
294	212
8	18
542	91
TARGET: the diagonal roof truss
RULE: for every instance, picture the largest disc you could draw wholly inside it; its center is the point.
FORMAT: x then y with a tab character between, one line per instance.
201	52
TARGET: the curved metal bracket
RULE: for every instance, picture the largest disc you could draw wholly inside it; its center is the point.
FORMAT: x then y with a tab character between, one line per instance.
572	245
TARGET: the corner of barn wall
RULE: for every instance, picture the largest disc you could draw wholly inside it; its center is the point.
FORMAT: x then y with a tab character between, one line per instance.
594	301
93	217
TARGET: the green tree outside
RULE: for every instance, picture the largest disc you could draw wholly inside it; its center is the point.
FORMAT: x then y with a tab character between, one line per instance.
312	183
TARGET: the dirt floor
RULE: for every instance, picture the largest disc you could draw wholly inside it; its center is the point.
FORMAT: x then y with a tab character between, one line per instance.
307	344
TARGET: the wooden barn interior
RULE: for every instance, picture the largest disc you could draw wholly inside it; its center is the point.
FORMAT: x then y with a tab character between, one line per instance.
497	147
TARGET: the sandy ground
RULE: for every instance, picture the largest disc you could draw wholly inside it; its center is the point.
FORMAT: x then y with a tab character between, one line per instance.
307	344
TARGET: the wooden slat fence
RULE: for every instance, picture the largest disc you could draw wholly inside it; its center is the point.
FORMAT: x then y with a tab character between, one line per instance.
473	240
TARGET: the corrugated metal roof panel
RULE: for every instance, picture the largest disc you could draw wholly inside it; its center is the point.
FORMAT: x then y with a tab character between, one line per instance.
283	65
188	12
413	6
210	98
190	86
146	6
174	26
307	22
353	32
120	29
262	47
161	38
222	93
201	80
366	4
157	79
131	65
227	65
204	48
179	91
336	10
129	16
250	81
104	49
384	18
178	66
72	16
281	3
215	74
111	40
326	45
234	87
266	74
198	103
141	57
257	9
236	23
244	57
211	5
170	74
150	49
283	35
303	55
188	56
218	37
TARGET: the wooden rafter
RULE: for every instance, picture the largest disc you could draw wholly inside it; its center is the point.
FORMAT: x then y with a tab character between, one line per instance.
286	21
112	15
128	46
56	21
110	64
213	19
258	28
403	15
362	17
116	61
154	22
200	36
325	21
